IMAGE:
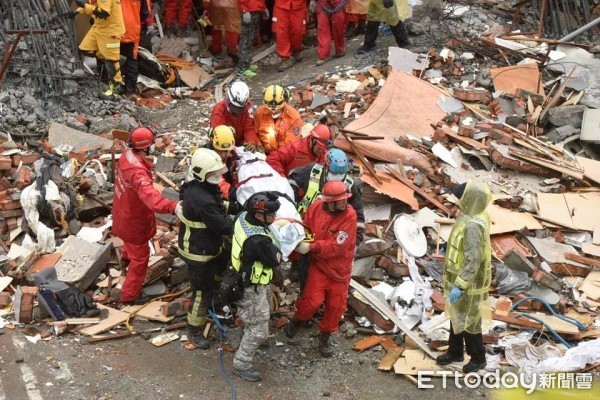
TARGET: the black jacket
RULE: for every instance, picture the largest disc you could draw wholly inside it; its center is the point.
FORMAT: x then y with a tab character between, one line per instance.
202	202
260	248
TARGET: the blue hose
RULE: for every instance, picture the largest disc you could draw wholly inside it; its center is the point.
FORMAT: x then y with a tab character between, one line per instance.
222	332
564	318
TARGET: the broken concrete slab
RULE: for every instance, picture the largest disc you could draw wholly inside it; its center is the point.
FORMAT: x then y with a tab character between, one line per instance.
561	133
515	260
566	115
59	134
319	100
81	262
554	254
405	60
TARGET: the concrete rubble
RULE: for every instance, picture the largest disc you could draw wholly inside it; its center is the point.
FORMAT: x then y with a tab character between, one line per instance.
522	134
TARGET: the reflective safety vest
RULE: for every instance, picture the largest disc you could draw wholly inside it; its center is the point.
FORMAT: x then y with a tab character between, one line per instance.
185	249
313	191
455	258
242	230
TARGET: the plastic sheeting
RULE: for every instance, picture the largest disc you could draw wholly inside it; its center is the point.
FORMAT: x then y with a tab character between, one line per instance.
510	282
257	176
574	359
45	236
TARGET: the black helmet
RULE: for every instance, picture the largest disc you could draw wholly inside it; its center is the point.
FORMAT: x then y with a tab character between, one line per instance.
264	202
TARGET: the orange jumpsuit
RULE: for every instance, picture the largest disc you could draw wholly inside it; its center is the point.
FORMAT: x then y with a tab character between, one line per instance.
275	133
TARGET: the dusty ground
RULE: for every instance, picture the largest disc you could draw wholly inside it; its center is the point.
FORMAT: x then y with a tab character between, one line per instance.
66	368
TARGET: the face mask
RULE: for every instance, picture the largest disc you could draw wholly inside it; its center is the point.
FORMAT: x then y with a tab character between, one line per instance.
334	177
214	179
276	114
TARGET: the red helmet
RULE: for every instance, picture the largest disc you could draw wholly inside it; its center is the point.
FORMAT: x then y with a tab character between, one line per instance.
323	135
141	138
334	191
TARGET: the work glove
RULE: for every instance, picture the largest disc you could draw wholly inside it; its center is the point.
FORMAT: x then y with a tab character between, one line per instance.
260	149
455	295
72	14
246	17
80	3
178	210
388	3
251	147
303	248
266	14
313	6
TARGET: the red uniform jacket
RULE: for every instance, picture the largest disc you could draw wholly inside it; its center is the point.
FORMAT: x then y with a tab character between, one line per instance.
251	5
131	17
332	251
243	123
293	155
136	200
291	4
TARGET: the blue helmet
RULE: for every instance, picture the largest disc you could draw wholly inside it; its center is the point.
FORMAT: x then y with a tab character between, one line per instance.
337	162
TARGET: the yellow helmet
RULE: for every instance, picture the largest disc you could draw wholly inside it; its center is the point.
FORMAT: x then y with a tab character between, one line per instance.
275	97
222	137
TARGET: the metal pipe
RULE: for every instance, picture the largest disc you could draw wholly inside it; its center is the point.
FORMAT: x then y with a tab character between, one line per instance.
579	31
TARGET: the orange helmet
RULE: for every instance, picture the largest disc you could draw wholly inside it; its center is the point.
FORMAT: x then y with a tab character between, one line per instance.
334	191
141	138
323	135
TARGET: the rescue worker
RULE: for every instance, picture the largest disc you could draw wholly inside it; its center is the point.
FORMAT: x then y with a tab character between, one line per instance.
289	26
204	222
177	12
251	12
467	276
255	255
132	15
222	142
224	16
331	22
308	183
393	12
103	40
135	202
333	223
356	17
276	122
310	149
236	110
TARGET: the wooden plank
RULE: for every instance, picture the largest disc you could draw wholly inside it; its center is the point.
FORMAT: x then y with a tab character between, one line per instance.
388	361
167	180
164	338
583	208
591	249
503	220
76	321
151	312
467	141
414	361
420	191
557	324
388	343
556	97
115	318
583	260
591	168
596	237
368	342
547	164
386	311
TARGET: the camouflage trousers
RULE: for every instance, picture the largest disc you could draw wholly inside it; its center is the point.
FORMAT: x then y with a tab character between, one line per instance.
247	35
253	310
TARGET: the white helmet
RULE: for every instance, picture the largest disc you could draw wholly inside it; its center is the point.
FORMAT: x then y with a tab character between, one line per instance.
238	94
205	161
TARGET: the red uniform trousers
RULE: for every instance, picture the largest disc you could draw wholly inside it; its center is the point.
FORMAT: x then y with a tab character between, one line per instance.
182	15
138	256
231	41
355	17
289	28
327	26
319	287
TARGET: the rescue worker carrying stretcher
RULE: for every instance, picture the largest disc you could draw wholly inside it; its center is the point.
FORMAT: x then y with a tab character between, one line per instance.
333	223
254	255
223	143
467	276
204	223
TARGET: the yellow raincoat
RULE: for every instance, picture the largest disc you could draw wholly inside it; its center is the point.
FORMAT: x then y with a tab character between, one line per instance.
104	37
391	16
468	262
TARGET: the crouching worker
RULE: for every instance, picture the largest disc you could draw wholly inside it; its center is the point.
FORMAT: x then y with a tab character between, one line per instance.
204	222
254	255
333	224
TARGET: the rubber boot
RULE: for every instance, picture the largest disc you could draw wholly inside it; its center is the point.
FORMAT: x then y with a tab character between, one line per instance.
350	30
370	37
361	28
291	329
325	347
196	336
448	358
473	366
400	34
